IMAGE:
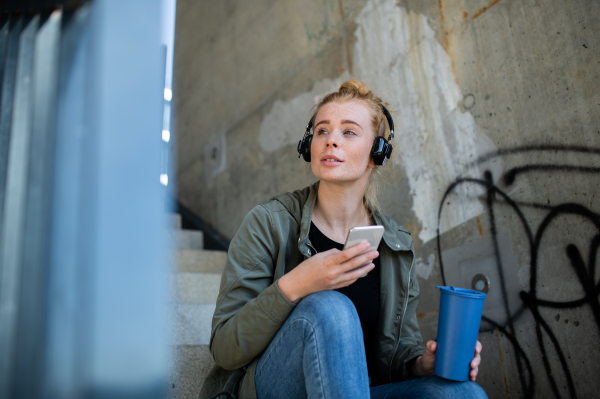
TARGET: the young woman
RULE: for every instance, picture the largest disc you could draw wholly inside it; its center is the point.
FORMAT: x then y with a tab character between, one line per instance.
294	319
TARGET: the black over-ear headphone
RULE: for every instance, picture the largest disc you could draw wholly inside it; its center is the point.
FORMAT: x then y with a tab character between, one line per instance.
380	153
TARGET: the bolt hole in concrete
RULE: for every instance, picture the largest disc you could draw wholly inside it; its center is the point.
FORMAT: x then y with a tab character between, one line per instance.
481	283
468	101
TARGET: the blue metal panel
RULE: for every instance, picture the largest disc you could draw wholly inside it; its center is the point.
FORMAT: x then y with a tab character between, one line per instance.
67	360
83	228
107	316
8	89
129	257
12	227
30	343
4	25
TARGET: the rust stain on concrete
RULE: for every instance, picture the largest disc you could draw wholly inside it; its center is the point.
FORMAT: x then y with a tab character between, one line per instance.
443	21
346	41
413	228
447	42
428	314
483	9
480	227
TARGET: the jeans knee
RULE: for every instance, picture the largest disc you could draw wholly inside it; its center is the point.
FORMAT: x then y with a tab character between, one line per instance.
437	387
475	391
331	308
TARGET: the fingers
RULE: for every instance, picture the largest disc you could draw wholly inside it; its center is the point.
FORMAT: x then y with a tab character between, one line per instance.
351	252
347	266
360	272
359	260
351	277
473	373
431	347
332	251
476	361
478	347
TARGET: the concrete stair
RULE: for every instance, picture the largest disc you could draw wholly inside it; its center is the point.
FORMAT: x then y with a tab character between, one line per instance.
194	284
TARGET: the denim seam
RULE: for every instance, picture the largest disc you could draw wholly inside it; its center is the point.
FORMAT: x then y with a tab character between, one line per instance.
303	320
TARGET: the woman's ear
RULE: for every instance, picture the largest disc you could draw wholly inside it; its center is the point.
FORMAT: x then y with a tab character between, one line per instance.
371	162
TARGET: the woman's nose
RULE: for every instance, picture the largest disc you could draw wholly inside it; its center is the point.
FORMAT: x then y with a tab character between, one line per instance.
331	141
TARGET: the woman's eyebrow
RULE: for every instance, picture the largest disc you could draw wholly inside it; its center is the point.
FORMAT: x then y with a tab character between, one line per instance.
352	122
345	121
321	122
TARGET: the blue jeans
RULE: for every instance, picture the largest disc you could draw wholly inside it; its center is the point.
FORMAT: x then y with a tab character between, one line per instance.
319	353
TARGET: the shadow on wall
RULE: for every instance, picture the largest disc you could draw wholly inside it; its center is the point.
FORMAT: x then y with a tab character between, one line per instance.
494	198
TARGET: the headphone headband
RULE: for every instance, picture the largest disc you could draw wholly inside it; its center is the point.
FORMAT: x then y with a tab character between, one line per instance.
388	116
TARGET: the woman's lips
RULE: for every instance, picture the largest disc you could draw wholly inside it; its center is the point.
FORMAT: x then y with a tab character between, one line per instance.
330	160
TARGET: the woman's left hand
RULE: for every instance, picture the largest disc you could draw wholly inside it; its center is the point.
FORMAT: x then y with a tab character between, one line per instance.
425	364
476	361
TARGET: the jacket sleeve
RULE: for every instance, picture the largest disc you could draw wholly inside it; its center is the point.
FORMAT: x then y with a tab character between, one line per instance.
410	336
250	307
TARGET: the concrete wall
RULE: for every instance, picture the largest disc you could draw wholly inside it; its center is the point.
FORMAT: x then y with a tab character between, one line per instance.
496	163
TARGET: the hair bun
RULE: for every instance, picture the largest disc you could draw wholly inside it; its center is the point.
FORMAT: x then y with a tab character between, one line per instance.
354	86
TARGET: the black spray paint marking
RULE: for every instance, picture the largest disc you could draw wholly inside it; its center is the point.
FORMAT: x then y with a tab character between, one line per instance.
585	275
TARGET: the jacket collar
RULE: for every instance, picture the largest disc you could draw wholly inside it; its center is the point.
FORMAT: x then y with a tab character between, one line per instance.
396	237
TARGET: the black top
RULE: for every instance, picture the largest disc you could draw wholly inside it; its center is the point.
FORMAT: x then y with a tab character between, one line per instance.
364	294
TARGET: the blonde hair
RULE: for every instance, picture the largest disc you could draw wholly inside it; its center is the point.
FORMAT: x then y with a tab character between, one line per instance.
355	90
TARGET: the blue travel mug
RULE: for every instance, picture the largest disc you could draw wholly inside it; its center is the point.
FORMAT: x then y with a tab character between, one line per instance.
458	327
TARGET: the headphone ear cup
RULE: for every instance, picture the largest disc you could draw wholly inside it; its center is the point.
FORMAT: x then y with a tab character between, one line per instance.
388	150
304	147
378	152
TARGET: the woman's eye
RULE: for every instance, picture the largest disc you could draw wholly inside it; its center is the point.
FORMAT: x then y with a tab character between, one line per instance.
350	132
321	131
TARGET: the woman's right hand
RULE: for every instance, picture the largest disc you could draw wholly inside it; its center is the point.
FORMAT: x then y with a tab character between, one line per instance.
327	271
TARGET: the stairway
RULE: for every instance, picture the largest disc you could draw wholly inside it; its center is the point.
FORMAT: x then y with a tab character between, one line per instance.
194	286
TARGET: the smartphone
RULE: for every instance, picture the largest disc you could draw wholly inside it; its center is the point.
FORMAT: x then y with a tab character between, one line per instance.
372	234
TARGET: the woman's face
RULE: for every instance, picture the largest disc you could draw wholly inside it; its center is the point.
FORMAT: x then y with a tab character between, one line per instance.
342	141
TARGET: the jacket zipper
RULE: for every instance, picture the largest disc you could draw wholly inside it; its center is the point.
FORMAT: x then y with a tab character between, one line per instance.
401	320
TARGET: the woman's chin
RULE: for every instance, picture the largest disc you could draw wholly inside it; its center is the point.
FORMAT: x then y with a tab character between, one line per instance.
337	178
340	175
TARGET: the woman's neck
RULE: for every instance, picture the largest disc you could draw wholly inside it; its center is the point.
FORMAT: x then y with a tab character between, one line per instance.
338	209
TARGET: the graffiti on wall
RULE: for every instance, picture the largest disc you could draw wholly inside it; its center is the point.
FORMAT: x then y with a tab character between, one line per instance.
582	265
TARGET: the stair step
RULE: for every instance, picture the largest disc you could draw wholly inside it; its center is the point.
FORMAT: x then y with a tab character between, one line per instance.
192	364
175	220
196	287
193	322
195	261
188	239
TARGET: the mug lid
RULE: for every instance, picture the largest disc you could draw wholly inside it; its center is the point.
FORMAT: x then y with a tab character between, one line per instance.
461	292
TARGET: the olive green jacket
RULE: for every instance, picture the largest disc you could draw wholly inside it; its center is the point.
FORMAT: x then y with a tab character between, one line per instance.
250	309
